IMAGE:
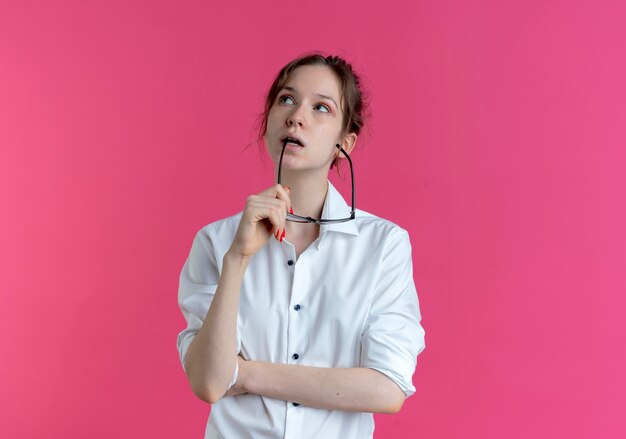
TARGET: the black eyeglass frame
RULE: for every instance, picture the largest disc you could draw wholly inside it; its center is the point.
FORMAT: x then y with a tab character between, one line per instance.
307	219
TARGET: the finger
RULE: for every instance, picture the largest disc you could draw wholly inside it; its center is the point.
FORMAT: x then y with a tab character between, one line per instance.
271	201
261	200
271	209
279	192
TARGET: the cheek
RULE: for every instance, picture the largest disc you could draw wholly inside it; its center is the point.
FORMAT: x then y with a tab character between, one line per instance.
273	116
272	125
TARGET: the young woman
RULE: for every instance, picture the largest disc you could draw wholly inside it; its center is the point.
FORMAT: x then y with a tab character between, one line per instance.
303	318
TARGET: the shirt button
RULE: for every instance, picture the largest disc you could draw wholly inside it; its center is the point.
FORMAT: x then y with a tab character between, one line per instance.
290	262
295	356
297	307
295	403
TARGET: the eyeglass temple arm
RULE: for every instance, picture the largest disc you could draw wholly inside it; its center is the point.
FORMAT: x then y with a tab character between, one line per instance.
351	178
338	146
280	163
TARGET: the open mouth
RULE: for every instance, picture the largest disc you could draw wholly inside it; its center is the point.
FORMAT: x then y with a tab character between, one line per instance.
292	141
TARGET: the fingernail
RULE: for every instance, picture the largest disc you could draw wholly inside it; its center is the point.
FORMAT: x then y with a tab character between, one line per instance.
291	210
288	188
282	236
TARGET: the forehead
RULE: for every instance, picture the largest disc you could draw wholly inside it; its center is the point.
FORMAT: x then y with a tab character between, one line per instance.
315	80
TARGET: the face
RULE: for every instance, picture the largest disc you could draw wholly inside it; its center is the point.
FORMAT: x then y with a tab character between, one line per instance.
307	108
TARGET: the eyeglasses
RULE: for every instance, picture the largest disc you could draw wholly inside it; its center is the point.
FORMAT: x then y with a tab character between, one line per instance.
307	219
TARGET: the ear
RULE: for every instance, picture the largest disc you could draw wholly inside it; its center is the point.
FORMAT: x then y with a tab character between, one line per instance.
348	143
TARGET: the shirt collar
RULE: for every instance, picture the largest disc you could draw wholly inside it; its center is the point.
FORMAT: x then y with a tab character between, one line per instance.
336	207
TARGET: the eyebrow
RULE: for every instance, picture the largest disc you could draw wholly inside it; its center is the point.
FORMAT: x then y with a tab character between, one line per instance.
317	94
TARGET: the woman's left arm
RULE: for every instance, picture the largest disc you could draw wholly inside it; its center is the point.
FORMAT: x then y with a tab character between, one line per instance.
357	389
390	343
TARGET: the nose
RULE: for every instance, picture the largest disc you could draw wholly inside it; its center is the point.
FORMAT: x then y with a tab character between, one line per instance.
295	118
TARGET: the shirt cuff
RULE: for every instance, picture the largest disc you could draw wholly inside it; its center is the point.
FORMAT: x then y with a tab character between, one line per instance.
235	376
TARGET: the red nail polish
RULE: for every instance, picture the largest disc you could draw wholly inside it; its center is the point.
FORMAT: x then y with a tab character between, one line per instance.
291	210
282	236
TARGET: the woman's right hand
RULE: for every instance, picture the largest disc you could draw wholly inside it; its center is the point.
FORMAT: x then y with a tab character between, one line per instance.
264	215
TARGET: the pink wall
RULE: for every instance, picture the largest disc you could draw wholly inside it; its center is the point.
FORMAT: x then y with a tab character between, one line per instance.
498	140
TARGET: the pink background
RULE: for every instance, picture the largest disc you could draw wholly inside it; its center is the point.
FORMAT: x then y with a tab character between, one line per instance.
497	140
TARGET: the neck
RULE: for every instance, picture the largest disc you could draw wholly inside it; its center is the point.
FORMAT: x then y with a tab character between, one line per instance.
308	192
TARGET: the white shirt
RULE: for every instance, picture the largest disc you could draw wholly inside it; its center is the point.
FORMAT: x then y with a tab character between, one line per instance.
349	300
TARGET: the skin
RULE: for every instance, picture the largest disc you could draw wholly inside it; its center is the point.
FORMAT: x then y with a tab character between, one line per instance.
318	122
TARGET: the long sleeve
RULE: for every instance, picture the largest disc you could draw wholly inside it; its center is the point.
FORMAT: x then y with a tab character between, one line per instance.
393	336
198	282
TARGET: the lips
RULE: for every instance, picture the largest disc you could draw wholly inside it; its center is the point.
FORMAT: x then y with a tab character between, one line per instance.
292	140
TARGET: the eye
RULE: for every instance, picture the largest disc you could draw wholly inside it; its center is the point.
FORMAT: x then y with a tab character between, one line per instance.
281	99
326	109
